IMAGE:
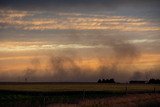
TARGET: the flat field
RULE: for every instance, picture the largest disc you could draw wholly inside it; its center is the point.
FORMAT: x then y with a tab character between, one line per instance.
61	87
43	94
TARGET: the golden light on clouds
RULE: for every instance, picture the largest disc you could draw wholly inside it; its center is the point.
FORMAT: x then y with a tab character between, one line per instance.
16	19
73	40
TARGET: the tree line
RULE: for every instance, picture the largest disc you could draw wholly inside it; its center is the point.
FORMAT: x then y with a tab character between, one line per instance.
106	81
151	81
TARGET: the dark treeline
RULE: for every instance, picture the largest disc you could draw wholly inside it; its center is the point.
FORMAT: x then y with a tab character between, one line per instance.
106	81
151	81
154	81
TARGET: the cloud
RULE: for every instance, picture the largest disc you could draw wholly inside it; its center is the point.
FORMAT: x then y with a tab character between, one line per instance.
114	34
9	14
23	20
30	46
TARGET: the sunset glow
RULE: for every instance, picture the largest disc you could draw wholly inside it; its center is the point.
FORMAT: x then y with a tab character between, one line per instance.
73	38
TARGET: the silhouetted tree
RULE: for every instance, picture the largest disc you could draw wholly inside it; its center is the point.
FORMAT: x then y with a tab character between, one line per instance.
154	81
106	81
103	80
112	80
99	81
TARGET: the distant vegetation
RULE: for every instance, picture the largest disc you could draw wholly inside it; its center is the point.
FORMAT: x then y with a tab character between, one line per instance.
106	81
151	81
154	81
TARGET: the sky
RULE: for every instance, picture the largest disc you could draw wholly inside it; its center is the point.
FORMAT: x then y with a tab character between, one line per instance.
79	40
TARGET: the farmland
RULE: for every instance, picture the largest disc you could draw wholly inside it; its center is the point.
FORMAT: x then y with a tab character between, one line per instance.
61	87
48	93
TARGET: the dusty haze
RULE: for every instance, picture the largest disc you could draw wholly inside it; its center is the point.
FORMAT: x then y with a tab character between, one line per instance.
79	40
